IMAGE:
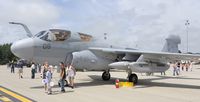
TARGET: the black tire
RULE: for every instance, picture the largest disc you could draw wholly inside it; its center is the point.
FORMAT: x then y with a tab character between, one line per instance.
65	84
106	76
133	78
59	84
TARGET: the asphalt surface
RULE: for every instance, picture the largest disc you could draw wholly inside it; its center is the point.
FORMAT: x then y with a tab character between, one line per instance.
89	87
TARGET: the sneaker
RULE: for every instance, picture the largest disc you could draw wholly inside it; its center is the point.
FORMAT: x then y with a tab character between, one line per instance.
72	87
62	90
49	93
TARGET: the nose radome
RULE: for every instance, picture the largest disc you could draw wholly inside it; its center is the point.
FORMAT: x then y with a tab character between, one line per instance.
23	48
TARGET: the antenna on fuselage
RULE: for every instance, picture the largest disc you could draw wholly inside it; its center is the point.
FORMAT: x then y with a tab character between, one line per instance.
29	34
105	38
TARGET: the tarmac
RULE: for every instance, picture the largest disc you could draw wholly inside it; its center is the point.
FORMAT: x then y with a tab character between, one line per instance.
89	87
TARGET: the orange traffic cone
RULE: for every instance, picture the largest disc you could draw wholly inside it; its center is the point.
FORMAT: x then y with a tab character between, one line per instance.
117	83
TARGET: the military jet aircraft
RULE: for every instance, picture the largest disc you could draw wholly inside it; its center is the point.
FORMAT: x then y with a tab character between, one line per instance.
85	52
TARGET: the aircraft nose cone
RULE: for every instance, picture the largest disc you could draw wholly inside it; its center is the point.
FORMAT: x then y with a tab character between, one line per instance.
23	48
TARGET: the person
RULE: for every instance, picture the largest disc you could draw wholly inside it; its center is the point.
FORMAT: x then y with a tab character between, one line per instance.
48	80
36	67
183	65
163	73
20	65
12	67
39	68
175	72
71	73
62	76
43	74
178	67
191	65
33	70
187	66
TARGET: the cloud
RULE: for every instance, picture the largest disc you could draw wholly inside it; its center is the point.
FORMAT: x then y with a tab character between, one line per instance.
130	23
147	23
29	11
37	14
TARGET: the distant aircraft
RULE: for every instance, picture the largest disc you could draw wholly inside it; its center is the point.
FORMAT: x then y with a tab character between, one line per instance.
84	52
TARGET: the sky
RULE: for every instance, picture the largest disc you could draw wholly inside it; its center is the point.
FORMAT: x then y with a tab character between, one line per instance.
142	24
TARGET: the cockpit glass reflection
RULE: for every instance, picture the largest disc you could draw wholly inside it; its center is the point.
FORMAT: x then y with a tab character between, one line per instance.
54	35
40	34
59	35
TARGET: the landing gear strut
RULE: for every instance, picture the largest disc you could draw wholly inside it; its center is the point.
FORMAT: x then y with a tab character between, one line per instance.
106	75
132	77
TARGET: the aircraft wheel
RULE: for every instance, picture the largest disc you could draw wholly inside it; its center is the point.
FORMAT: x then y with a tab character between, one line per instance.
65	83
133	78
106	76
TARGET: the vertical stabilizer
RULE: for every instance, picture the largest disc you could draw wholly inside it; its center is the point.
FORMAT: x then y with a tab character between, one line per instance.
171	44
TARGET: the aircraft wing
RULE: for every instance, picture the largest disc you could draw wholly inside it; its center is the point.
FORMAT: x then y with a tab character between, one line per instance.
147	55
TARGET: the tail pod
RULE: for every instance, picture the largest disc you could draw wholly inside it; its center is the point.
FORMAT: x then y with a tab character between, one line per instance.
171	44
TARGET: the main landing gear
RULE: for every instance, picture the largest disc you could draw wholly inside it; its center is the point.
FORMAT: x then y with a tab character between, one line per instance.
132	77
106	75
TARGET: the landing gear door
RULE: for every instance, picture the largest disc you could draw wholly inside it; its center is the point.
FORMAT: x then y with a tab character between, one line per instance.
69	59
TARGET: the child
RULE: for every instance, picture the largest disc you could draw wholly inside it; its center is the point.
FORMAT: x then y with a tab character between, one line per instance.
48	80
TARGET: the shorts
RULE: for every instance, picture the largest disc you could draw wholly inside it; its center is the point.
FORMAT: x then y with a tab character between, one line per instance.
44	81
20	70
71	77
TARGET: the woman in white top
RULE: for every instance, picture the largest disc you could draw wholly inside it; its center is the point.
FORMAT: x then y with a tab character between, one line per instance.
43	74
71	73
33	70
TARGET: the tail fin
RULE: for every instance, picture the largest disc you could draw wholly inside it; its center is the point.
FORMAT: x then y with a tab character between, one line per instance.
171	44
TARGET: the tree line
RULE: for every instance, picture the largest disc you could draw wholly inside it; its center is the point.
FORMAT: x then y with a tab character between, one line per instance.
6	55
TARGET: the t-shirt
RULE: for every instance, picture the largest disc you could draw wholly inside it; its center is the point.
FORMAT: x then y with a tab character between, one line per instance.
44	73
179	64
33	66
48	76
64	73
70	72
12	65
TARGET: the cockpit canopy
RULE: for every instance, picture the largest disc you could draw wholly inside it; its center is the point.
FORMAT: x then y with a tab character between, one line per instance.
85	37
54	35
61	35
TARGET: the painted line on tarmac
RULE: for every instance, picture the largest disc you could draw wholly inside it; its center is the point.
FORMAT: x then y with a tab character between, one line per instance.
15	95
4	99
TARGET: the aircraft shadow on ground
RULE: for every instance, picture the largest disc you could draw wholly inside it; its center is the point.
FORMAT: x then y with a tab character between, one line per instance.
172	77
150	83
142	83
96	81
